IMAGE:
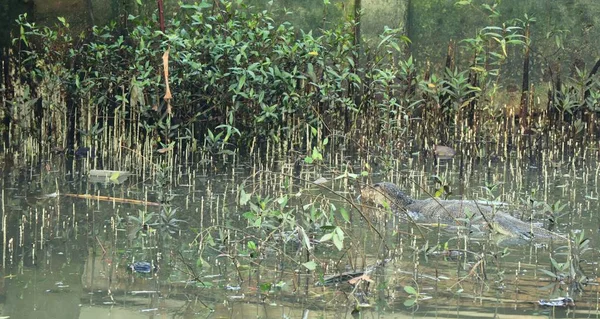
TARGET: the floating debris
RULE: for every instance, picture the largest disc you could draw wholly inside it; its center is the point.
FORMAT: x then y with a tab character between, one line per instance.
43	196
108	176
557	302
137	292
61	285
149	310
358	279
141	267
321	180
233	288
113	199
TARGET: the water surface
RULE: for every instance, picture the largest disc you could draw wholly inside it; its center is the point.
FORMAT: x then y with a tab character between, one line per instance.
67	257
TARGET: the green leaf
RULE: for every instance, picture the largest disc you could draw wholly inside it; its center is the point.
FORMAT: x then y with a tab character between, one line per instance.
139	2
241	83
316	155
310	265
463	3
265	287
384	40
410	290
282	201
305	238
249	215
115	176
251	245
339	232
202	5
338	241
345	214
244	198
410	302
554	263
200	262
311	73
326	237
23	37
308	160
210	240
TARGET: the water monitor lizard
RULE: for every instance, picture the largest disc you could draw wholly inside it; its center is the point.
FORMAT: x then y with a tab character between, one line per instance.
452	211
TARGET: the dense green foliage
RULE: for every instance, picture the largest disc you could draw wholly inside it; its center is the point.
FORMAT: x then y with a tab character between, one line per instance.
230	70
238	78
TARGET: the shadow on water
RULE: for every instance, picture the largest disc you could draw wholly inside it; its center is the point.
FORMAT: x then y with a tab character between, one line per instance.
266	243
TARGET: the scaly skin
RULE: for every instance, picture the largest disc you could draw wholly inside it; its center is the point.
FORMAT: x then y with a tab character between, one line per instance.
448	211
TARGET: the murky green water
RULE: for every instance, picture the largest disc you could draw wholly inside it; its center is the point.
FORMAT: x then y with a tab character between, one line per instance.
67	257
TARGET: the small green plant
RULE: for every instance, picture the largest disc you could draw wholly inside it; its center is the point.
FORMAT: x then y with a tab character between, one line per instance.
570	272
554	211
166	221
336	235
414	296
219	143
443	187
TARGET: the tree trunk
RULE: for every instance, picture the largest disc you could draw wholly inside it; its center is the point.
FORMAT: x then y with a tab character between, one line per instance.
525	85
